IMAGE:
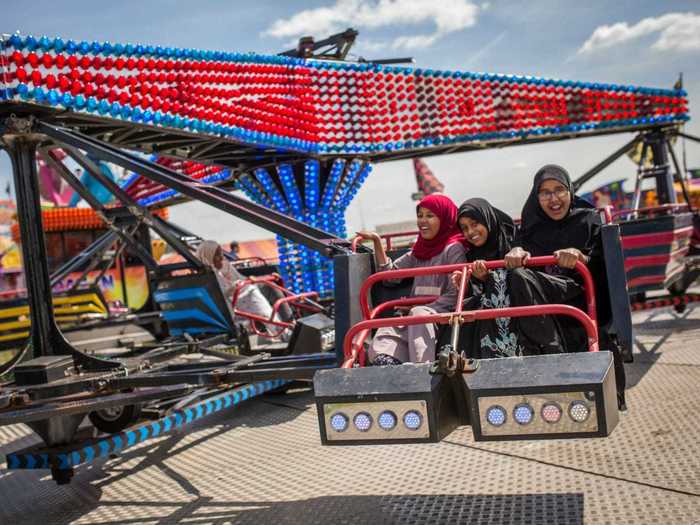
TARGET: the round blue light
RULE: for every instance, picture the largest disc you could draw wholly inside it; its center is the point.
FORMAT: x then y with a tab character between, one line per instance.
496	415
339	422
387	420
412	420
523	413
362	421
52	96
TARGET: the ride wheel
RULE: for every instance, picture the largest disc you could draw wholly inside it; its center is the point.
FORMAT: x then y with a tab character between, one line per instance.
115	419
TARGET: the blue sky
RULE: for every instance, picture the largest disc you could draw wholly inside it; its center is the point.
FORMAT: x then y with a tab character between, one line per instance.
633	42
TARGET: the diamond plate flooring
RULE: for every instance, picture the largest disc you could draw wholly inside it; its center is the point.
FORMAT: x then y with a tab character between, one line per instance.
264	463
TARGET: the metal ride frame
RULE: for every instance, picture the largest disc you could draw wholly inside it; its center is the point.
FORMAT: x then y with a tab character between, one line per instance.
353	349
54	409
299	302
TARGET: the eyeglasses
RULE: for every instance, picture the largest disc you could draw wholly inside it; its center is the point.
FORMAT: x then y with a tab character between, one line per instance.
545	195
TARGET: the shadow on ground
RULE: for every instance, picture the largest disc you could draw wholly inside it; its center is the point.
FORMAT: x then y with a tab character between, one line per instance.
414	509
662	326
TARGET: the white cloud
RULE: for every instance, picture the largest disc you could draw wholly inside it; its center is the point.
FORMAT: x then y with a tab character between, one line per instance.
677	32
368	45
414	42
447	15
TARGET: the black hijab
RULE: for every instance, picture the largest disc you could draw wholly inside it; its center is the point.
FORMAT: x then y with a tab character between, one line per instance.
499	225
541	235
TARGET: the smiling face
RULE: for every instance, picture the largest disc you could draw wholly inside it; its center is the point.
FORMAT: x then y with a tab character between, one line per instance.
218	259
428	223
475	232
554	198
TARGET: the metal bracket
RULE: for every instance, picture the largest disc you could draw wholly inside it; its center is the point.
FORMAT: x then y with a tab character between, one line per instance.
15	125
449	363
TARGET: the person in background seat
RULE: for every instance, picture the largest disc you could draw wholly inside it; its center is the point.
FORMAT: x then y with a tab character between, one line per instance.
250	298
234	249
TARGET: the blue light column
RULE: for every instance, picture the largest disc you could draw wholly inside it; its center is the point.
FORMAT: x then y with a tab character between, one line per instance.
314	193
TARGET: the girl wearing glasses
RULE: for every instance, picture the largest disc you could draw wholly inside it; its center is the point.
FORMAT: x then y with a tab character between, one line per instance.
556	222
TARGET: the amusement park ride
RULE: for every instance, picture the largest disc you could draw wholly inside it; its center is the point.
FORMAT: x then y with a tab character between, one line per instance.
297	133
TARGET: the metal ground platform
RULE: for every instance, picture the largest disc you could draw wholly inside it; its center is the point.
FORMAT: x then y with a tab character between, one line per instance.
263	463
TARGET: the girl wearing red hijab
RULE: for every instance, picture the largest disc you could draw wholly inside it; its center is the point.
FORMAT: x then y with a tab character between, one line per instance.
439	242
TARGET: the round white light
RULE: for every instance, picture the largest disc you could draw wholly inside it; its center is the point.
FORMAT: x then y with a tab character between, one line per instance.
496	415
362	421
523	413
579	411
387	420
551	412
339	422
412	420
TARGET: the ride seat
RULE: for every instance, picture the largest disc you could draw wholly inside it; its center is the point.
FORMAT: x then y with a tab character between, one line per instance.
612	301
194	304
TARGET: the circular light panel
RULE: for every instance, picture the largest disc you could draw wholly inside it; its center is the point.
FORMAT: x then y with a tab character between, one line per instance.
339	422
496	415
579	411
412	419
362	421
551	412
387	420
523	413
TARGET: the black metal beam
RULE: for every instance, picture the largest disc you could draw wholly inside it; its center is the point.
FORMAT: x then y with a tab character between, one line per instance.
136	209
679	173
688	136
144	256
605	163
46	338
276	222
665	191
22	151
100	244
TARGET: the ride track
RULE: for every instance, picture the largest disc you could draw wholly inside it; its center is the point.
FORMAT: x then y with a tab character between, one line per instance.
248	113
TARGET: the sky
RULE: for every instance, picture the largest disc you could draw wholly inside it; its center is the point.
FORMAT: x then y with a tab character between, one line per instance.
628	41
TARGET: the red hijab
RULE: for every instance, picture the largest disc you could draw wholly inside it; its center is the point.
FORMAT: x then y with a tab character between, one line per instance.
446	210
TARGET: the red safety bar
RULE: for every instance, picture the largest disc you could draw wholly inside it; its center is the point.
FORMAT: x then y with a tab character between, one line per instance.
9	294
249	262
352	351
388	275
296	301
386	236
652	210
352	354
607	213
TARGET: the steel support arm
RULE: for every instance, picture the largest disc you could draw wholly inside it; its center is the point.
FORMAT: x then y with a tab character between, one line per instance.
273	221
605	163
138	210
97	247
81	190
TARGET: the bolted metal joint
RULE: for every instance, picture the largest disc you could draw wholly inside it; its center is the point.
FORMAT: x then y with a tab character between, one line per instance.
19	125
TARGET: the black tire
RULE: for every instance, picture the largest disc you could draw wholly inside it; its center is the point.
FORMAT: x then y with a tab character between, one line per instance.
115	419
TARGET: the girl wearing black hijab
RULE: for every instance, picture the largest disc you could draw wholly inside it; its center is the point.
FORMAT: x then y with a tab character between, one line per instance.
556	222
490	233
